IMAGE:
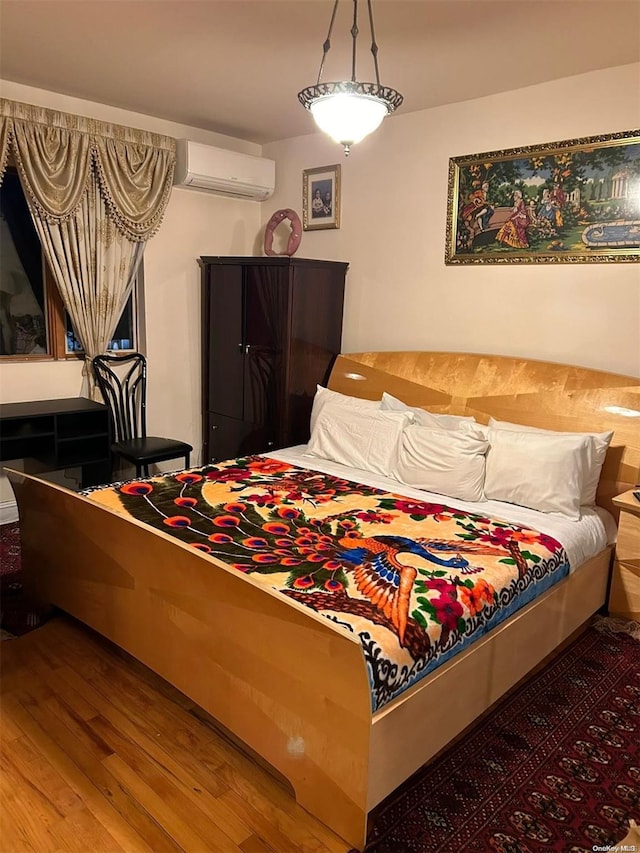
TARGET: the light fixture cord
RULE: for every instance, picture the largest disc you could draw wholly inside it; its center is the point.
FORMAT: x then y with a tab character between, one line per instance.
374	46
326	47
354	36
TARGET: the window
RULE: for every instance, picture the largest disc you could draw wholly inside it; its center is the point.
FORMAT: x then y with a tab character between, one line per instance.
124	337
23	303
33	320
127	334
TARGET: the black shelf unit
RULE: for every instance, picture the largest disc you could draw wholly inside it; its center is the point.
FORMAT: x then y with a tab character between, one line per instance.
65	433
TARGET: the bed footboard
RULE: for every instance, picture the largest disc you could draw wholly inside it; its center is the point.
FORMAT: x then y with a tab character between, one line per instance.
282	679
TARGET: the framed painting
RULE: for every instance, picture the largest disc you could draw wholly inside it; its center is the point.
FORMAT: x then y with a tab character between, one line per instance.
573	202
321	198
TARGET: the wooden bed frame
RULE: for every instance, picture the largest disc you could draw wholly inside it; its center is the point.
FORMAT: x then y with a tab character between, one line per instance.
284	680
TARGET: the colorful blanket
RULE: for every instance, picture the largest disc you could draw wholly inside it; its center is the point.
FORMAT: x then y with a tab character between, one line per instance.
417	582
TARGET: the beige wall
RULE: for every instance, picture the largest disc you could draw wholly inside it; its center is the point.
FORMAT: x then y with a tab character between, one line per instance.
400	294
195	224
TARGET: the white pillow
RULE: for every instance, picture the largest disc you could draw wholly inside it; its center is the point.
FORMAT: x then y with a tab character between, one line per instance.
358	438
428	419
449	462
593	459
325	395
536	470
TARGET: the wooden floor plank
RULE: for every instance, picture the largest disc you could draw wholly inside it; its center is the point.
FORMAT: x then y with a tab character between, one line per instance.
155	804
46	659
179	791
86	737
94	799
38	772
12	838
269	826
110	788
9	730
275	805
159	685
81	831
61	687
175	758
255	845
157	713
125	763
21	677
17	844
31	814
269	797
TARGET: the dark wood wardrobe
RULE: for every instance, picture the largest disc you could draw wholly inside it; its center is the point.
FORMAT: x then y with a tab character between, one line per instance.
271	329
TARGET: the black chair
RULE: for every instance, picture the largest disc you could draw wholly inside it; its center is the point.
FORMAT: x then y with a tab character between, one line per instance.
122	379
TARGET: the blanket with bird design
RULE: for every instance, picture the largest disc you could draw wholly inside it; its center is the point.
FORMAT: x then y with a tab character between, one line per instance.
415	581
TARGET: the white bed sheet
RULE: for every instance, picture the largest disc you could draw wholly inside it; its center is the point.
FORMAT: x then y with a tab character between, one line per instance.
581	539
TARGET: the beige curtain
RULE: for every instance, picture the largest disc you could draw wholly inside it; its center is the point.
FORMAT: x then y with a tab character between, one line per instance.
5	128
97	192
94	266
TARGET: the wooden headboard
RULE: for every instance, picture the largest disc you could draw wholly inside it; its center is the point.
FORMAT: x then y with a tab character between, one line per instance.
537	393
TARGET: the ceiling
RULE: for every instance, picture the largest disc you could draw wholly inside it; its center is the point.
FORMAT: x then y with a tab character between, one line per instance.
236	66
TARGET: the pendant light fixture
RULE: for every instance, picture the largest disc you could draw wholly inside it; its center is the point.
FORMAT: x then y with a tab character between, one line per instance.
348	110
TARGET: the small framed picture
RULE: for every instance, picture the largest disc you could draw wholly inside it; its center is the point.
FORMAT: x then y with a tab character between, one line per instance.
321	198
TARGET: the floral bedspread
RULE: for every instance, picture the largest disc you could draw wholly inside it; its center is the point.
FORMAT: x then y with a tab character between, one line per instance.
417	582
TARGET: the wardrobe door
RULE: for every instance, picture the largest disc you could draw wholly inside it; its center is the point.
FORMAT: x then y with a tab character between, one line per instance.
316	333
231	437
266	334
228	430
224	333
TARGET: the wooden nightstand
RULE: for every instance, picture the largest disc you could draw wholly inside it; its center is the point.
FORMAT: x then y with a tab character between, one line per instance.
624	597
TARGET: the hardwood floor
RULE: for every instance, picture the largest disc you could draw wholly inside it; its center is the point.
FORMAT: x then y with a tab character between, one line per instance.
98	753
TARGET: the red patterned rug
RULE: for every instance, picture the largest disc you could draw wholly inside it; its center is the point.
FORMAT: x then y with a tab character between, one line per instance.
18	612
9	549
556	767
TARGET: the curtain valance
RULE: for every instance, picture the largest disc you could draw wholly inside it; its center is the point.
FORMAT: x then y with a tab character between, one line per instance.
57	154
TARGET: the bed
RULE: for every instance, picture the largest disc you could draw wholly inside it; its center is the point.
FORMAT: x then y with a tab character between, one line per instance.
286	681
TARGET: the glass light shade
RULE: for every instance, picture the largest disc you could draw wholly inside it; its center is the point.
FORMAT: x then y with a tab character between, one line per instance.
349	110
348	117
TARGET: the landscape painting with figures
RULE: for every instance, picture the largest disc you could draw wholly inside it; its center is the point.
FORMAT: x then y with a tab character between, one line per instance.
574	201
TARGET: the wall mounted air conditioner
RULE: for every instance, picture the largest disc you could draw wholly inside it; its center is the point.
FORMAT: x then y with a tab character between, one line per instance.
225	172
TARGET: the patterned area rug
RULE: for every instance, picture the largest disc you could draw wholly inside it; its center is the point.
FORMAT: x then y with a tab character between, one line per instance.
9	549
556	767
19	613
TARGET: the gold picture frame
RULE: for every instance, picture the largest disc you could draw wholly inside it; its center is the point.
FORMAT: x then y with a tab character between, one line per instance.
321	198
576	201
